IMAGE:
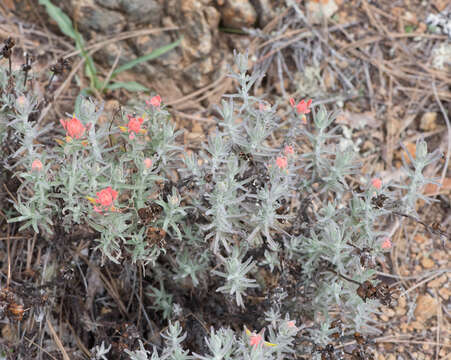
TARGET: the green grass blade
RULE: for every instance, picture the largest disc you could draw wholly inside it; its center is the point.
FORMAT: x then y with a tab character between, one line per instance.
232	31
84	93
63	21
66	27
130	86
153	55
90	68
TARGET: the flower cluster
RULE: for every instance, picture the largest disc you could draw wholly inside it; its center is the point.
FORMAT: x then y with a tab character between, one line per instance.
282	162
74	128
302	108
36	165
377	183
154	101
133	126
105	199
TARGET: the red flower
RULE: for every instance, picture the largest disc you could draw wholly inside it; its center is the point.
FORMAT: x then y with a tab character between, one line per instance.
302	107
387	243
288	150
74	128
282	162
155	101
291	324
256	339
36	165
105	198
147	163
134	126
377	183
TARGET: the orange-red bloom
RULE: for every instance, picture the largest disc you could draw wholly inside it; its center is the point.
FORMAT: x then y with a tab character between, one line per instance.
291	324
134	126
147	163
255	339
105	198
302	107
282	162
377	183
154	101
74	128
288	150
387	243
36	165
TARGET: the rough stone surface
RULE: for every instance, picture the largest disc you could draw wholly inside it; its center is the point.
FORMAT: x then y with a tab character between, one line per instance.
265	12
137	11
88	17
204	51
428	121
318	10
238	14
426	307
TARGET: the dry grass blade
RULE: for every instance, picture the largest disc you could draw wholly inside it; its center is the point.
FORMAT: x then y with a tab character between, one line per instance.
60	90
110	73
192	117
57	340
197	92
123	36
40	348
110	288
439	272
79	342
448	126
439	324
387	339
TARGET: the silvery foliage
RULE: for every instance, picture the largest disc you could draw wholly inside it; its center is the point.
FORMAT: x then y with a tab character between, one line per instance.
233	209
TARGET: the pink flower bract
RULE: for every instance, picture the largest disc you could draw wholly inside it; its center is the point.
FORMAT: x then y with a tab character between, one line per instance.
288	150
105	198
148	163
302	107
154	101
134	126
74	128
36	165
387	243
282	162
377	183
292	325
255	339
